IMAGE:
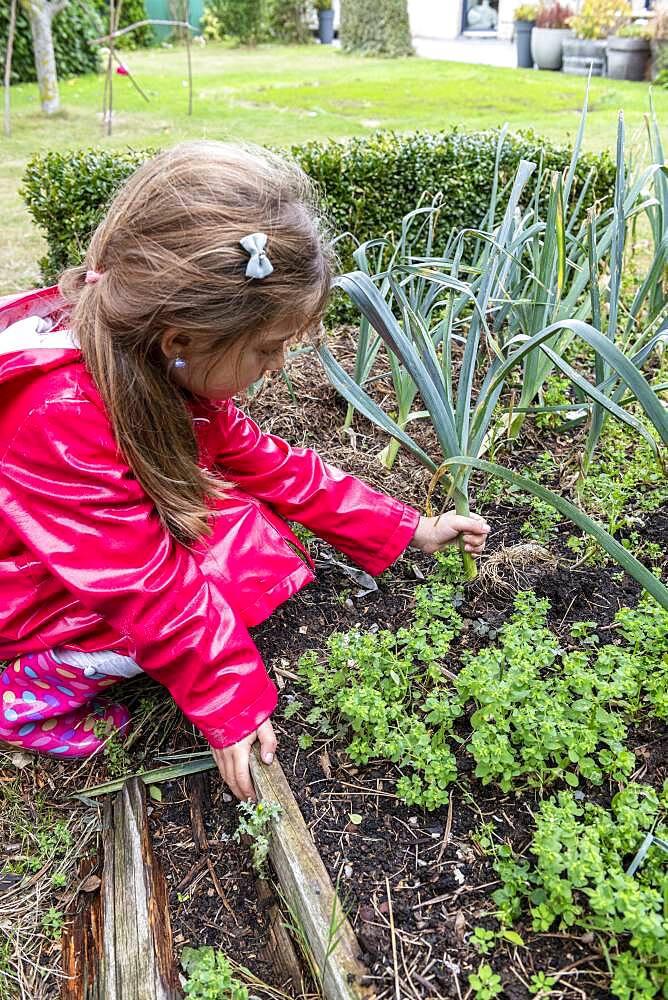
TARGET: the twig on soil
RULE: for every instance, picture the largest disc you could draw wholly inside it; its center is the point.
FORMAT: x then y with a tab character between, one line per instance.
397	984
282	672
448	829
453	895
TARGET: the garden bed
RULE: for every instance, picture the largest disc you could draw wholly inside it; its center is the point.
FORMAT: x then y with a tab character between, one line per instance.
417	884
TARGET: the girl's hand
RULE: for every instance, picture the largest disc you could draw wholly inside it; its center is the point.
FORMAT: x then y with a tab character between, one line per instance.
233	764
434	533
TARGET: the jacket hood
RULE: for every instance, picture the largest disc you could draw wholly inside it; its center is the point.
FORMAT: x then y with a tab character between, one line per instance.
34	334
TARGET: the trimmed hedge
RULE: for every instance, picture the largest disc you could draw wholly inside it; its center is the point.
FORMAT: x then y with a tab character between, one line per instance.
367	184
376	29
73	30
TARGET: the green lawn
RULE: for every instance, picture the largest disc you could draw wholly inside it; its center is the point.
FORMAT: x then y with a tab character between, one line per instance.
284	95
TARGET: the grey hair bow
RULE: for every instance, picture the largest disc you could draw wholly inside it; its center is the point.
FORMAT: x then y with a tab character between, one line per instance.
259	265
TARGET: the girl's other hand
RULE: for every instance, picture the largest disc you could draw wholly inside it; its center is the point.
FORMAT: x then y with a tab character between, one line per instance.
434	533
233	761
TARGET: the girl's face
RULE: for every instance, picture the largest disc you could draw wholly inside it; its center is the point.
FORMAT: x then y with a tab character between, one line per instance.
237	368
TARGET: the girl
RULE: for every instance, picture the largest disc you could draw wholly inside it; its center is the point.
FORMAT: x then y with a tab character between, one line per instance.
142	515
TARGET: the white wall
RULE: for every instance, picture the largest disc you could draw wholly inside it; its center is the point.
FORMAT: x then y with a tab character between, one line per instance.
435	18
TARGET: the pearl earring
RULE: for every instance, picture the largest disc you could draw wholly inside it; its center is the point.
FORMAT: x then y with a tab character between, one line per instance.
177	362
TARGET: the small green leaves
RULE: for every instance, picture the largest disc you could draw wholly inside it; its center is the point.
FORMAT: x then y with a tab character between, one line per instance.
578	879
254	822
485	983
210	976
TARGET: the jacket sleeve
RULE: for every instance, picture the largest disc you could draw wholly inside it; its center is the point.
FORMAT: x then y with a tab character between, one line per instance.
370	527
78	507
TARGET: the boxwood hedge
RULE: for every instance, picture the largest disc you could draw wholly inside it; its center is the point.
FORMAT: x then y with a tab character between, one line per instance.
367	184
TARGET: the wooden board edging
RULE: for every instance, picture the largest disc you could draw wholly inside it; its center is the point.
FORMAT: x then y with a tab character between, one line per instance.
309	890
120	944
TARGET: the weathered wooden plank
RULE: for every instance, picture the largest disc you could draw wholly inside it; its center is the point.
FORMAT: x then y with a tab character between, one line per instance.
309	890
121	945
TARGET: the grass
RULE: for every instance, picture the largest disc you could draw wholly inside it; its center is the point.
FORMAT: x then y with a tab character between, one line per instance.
281	95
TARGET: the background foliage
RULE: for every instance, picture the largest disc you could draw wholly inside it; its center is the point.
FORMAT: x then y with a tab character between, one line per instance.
254	21
378	29
131	12
365	183
73	30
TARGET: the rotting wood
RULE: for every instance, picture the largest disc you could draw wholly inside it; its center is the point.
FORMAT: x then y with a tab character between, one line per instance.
198	794
309	891
120	944
279	950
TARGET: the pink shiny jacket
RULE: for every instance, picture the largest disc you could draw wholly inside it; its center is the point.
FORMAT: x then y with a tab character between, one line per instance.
86	563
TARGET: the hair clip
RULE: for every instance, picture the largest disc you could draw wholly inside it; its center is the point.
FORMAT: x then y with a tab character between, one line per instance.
259	265
92	276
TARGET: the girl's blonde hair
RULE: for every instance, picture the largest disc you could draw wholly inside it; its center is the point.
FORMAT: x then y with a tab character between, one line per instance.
169	257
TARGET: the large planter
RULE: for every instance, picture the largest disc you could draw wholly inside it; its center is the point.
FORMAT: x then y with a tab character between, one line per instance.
582	53
326	26
523	40
546	46
628	58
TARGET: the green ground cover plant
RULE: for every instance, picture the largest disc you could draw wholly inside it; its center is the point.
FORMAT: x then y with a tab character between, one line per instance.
210	976
537	712
543	714
388	690
577	878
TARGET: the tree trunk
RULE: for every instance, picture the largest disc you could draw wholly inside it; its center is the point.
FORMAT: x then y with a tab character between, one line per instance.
40	14
8	65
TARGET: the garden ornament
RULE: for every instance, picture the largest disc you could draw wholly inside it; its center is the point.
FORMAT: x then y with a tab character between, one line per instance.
259	266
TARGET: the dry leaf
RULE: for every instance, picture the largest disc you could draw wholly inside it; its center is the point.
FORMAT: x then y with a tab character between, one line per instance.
90	884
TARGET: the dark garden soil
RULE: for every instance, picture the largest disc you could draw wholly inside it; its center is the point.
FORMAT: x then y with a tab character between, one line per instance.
426	870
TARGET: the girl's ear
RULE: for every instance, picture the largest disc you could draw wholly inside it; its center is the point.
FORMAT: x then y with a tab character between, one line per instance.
174	343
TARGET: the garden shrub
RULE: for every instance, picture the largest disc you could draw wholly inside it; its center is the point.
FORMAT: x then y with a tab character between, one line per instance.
366	183
287	21
244	20
73	30
378	29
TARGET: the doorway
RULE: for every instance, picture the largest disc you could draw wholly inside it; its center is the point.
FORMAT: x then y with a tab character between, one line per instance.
480	16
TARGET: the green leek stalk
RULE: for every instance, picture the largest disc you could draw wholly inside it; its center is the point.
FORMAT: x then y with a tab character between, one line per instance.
468	562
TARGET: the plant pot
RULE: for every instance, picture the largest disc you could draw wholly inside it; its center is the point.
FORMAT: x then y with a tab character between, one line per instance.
582	53
523	40
546	46
627	58
326	26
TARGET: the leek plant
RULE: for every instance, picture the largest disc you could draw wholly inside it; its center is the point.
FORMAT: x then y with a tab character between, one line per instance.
461	423
378	257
